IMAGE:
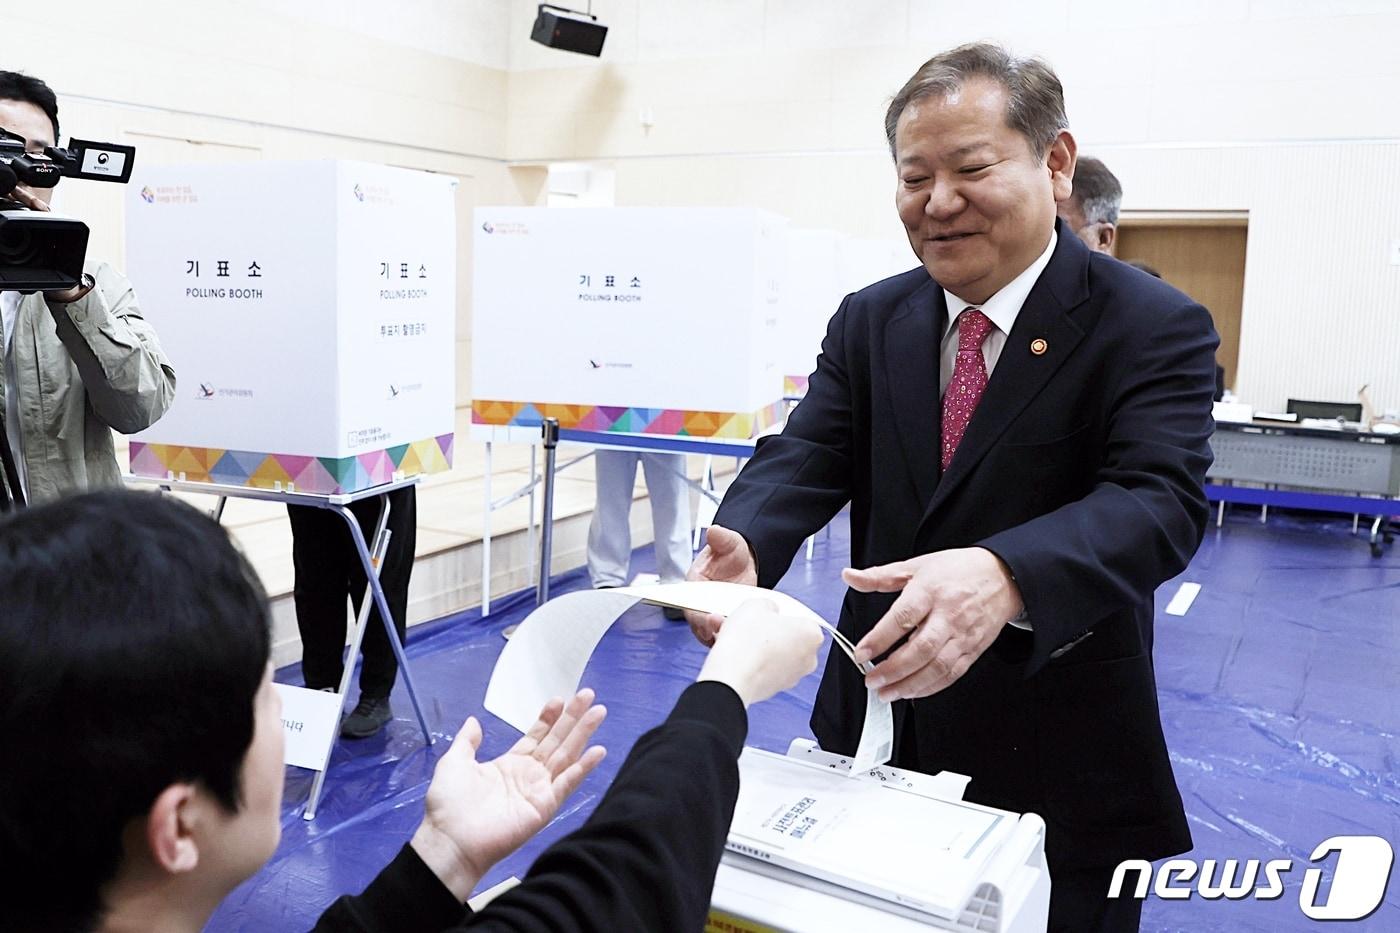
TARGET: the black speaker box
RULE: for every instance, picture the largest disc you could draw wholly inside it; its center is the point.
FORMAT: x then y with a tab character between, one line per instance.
571	35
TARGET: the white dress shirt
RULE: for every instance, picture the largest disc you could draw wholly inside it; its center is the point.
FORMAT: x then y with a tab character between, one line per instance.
1002	309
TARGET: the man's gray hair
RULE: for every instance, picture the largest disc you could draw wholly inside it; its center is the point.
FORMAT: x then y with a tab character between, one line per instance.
1097	191
1035	105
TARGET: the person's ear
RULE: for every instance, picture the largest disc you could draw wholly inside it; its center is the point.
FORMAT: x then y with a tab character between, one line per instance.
1107	236
1060	161
170	829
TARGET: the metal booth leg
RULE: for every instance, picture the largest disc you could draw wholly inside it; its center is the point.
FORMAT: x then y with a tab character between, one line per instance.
377	591
381	545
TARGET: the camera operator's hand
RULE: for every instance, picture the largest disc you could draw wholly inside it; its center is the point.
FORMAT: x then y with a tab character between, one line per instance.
32	198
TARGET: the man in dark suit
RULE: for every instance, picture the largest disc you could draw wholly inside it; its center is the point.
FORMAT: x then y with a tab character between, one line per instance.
1021	430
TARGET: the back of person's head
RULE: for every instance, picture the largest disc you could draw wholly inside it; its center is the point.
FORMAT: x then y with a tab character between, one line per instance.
15	85
133	639
1035	100
1097	191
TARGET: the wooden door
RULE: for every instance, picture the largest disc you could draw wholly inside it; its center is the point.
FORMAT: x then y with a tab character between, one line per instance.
1204	257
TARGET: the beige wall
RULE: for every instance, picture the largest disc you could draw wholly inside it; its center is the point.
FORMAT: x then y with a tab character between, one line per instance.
1201	105
226	80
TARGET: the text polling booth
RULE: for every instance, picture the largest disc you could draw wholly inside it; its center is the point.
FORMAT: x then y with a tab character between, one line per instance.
309	309
658	321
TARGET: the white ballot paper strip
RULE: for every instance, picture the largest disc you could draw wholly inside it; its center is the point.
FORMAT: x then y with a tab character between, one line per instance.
547	654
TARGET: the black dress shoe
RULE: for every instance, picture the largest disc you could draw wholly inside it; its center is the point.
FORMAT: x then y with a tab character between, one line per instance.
368	717
673	614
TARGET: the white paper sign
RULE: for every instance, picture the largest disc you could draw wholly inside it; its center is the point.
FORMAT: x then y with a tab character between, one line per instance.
309	721
547	655
1181	603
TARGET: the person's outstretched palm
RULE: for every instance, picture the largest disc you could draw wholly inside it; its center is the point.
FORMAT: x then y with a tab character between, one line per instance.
478	812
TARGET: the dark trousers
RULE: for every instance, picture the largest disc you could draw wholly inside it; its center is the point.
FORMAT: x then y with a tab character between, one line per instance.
328	570
1079	901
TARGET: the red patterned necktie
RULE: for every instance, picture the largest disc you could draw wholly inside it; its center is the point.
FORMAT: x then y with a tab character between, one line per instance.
969	379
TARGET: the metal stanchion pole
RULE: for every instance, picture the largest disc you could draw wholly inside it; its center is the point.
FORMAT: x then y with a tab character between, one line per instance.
550	431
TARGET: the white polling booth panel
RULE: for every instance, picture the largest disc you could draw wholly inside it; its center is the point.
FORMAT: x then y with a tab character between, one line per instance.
811	296
640	320
863	262
309	310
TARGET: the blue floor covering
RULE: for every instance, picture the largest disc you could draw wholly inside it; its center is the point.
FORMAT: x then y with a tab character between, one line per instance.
1280	694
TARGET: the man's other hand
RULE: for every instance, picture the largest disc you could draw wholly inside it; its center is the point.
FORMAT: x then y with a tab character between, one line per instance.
726	558
952	605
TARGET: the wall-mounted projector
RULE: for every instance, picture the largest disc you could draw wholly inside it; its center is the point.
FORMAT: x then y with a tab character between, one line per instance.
584	36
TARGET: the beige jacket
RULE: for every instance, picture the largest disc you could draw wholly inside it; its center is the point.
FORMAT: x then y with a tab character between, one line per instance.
84	369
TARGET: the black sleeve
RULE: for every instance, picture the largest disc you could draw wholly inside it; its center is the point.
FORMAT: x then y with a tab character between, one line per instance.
406	897
645	860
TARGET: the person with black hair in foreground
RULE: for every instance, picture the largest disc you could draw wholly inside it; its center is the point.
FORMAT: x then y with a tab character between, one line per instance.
143	775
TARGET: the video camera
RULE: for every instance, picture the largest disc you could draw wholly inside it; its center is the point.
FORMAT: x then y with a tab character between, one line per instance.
41	251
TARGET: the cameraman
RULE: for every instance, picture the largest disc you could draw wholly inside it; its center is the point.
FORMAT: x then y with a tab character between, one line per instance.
78	363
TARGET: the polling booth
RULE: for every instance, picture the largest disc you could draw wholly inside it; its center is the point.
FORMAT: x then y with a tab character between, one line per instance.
309	310
811	295
658	321
861	262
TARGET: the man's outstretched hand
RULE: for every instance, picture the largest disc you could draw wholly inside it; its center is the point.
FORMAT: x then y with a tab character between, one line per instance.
478	812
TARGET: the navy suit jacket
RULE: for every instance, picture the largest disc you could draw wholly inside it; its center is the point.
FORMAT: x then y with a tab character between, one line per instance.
1082	468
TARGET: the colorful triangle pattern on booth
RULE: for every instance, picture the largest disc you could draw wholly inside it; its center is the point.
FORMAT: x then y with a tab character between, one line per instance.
298	472
666	421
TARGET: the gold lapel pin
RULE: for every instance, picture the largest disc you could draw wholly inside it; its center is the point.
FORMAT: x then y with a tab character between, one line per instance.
1039	346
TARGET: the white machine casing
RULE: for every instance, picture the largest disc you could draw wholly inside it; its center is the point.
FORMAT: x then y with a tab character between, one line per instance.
1010	895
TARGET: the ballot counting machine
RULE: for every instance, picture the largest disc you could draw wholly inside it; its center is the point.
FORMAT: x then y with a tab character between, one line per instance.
816	849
